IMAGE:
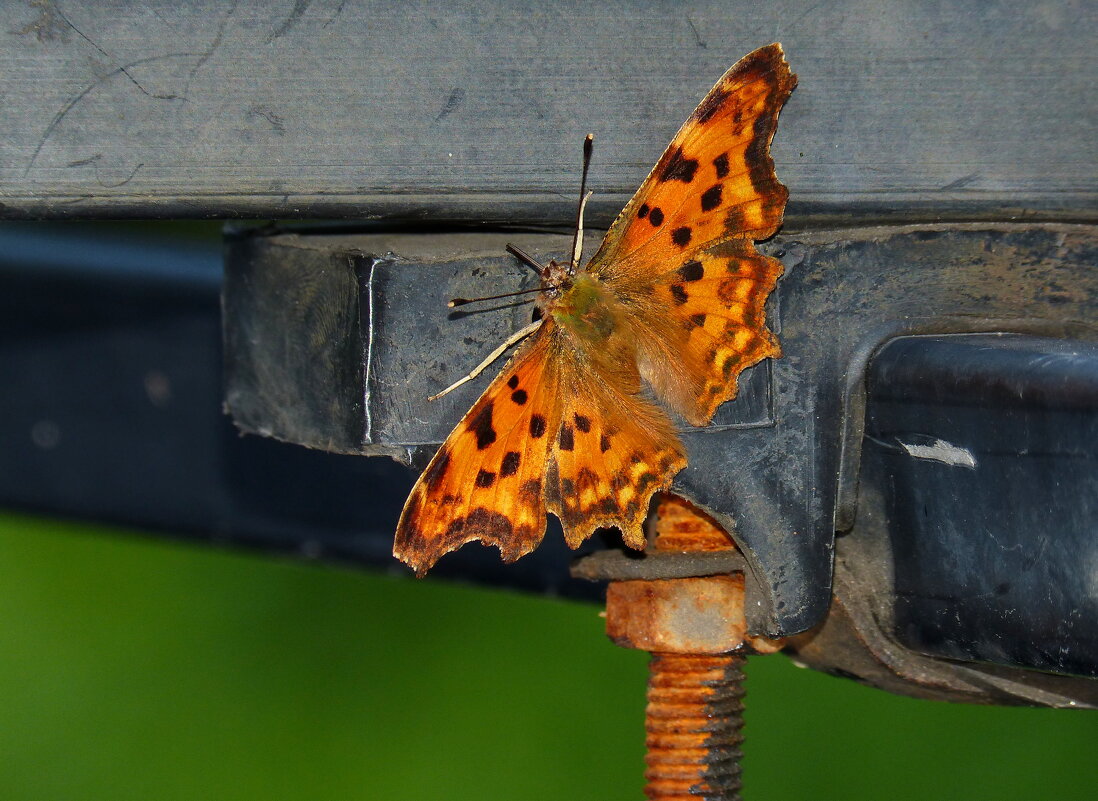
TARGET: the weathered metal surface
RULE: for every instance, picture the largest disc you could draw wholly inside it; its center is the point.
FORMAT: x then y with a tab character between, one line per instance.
778	467
967	564
682	616
855	642
476	111
110	359
615	565
692	615
986	451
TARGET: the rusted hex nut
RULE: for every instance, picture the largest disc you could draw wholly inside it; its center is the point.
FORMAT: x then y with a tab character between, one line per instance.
682	616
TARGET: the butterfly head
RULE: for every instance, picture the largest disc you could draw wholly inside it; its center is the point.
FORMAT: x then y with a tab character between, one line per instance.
555	279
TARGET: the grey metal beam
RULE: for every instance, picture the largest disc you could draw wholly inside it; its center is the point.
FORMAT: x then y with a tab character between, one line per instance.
476	111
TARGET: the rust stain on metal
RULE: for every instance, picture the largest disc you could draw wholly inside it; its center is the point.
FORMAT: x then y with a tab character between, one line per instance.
681	526
697	615
685	616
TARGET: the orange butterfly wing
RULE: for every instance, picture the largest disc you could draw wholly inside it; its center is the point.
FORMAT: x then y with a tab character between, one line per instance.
486	482
593	456
614	449
688	233
716	179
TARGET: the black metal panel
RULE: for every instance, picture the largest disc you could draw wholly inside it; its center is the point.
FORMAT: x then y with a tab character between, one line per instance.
113	393
780	471
986	449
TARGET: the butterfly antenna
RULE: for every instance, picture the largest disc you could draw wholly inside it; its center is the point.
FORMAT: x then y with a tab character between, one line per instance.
577	241
525	258
453	302
522	256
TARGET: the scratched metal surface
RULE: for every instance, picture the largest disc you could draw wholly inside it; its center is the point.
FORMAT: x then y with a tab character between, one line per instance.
476	111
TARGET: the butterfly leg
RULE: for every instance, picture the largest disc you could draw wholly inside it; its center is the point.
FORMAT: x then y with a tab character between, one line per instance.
518	336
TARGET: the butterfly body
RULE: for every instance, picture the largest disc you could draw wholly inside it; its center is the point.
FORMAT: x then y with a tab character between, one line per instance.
674	299
586	310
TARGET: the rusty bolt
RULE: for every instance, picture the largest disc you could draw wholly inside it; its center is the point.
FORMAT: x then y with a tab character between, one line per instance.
697	634
703	615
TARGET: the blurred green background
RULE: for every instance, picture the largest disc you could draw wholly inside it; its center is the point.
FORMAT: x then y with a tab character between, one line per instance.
138	668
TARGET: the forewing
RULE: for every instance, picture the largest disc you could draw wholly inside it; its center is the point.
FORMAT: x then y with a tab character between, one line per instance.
486	482
681	256
715	180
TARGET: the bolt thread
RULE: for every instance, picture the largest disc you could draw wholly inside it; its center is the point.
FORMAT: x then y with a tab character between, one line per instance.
681	526
693	723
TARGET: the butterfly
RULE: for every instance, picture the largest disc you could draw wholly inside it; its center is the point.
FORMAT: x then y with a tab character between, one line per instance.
674	299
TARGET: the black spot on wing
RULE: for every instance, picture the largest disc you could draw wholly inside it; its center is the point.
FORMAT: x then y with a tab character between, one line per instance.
510	464
711	197
679	168
728	366
512	382
734	221
656	217
537	426
698	320
481	425
519	396
437	470
609	505
530	491
668	459
681	236
567	437
485	478
487	523
582	423
642	212
692	271
587	479
757	156
721	163
728	291
678	292
711	105
604	443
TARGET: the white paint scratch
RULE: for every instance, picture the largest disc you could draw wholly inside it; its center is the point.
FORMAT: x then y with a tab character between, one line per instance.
941	451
